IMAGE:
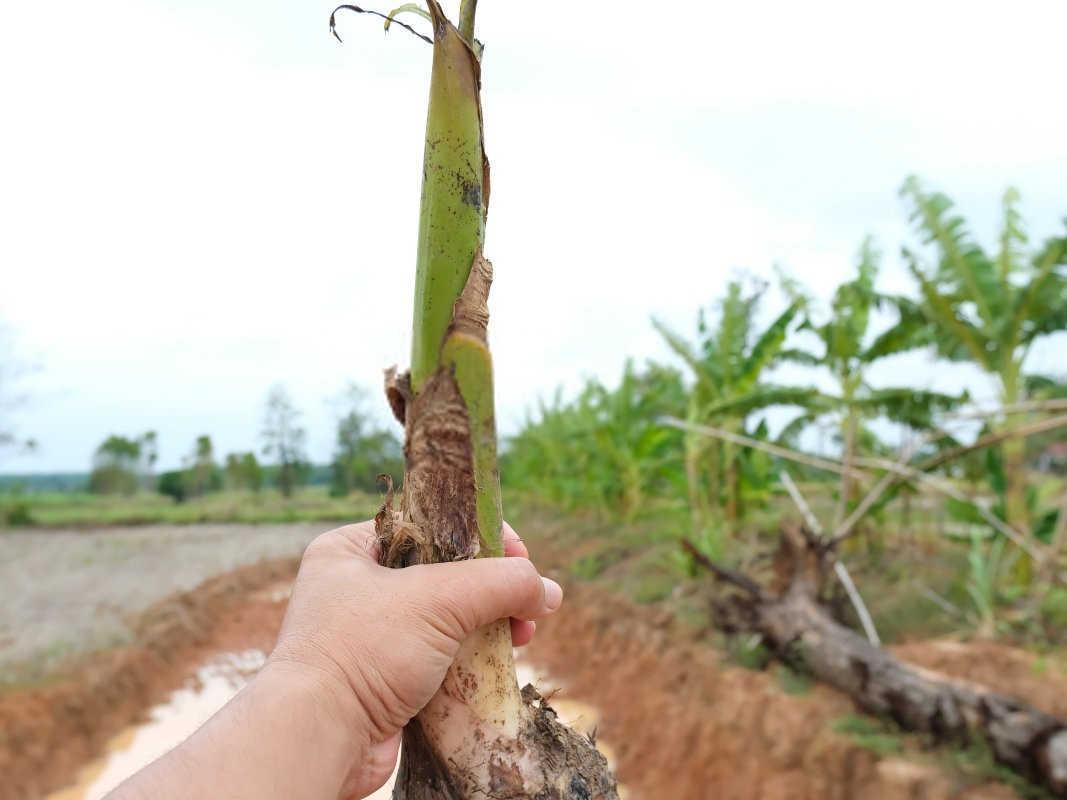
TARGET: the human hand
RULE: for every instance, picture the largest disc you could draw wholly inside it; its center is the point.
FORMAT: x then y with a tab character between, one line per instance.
379	641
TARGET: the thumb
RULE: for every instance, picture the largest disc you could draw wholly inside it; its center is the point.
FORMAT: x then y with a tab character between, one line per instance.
483	590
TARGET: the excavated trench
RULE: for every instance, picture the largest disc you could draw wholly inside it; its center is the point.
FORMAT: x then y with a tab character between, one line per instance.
213	684
676	721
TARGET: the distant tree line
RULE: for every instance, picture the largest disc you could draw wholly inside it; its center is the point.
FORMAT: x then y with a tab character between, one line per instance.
364	449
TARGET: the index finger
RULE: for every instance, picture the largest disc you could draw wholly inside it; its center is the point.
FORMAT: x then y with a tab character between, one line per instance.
359	539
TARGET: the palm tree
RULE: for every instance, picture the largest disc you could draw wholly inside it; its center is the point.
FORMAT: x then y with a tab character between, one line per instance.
987	308
847	353
727	362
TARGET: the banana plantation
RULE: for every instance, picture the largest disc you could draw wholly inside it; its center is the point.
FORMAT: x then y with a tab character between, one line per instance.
834	507
762	416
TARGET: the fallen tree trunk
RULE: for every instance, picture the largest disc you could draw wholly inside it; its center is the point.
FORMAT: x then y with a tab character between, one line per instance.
797	627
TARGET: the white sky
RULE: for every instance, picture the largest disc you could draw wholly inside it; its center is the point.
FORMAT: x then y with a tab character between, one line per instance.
199	199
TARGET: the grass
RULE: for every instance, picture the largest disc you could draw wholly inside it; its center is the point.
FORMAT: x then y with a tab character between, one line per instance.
83	510
976	762
791	681
880	737
641	559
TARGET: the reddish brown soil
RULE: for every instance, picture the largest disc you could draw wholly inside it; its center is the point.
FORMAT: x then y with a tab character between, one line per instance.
48	732
683	724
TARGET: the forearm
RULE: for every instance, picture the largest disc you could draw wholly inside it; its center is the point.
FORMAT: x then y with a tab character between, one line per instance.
276	739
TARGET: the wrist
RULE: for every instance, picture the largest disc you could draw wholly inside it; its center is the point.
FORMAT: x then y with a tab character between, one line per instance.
320	710
287	734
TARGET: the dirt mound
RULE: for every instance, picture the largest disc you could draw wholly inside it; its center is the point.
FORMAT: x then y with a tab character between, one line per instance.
49	731
685	725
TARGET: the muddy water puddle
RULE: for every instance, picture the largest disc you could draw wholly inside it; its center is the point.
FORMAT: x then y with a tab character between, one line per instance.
168	724
212	687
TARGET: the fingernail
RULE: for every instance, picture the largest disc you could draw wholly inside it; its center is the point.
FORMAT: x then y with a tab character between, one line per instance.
553	594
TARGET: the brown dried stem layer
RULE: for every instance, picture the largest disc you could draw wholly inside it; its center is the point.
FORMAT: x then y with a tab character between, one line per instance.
479	737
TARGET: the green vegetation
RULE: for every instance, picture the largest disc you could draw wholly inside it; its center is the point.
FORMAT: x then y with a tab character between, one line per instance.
243	472
879	736
988	310
82	509
974	764
728	363
847	353
123	489
285	440
605	450
977	763
791	681
364	448
694	451
122	465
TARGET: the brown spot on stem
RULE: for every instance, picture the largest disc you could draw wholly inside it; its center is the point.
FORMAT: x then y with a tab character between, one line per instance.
398	392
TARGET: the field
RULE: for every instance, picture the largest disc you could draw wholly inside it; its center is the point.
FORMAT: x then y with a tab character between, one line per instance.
69	593
82	509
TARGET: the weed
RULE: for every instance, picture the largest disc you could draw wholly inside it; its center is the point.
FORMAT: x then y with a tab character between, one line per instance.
791	681
592	565
880	737
1054	609
748	652
976	761
653	588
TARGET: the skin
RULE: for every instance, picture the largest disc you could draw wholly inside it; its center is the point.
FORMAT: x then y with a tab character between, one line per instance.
362	649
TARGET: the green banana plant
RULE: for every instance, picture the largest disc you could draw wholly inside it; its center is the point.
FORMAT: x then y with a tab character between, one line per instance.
727	363
848	350
604	449
988	309
479	736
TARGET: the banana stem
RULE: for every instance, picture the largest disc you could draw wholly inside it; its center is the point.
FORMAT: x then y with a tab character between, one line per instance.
479	736
467	10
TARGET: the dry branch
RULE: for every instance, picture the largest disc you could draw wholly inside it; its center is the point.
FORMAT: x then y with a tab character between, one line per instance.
896	472
854	596
767	447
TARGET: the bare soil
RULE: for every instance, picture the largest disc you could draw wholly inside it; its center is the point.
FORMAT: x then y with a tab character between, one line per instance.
67	593
686	725
682	722
49	731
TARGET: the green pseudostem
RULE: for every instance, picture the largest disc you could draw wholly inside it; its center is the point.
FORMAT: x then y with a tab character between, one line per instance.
479	736
451	232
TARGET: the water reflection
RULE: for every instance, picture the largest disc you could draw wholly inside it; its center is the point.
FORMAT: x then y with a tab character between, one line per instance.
215	683
168	724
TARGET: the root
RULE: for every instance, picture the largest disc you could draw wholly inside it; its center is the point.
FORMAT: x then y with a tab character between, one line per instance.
545	761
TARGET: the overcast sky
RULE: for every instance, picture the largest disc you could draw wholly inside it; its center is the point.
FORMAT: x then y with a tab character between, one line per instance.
199	199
